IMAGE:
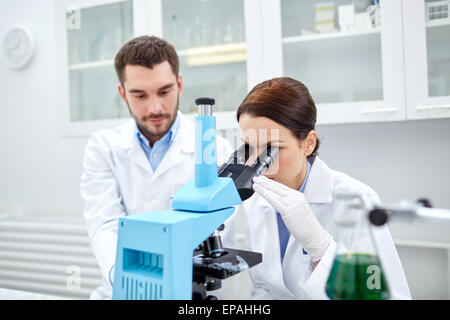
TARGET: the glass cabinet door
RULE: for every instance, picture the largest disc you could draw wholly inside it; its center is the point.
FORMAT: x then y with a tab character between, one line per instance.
438	47
334	48
209	36
349	53
427	58
91	48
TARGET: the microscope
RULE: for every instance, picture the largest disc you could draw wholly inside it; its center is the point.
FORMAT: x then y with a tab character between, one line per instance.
177	254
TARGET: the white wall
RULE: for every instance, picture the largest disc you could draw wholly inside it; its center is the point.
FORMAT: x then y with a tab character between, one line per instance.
403	160
399	160
40	171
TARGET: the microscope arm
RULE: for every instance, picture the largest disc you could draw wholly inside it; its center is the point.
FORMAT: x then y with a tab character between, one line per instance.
411	213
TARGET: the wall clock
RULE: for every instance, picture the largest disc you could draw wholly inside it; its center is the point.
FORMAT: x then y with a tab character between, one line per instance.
17	47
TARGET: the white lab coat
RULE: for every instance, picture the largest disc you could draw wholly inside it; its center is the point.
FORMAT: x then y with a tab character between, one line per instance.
118	180
296	277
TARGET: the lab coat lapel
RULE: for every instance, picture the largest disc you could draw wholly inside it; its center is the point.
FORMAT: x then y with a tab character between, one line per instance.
271	249
320	184
183	143
318	190
134	150
295	268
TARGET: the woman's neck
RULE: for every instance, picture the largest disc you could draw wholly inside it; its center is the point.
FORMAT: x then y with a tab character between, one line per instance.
298	181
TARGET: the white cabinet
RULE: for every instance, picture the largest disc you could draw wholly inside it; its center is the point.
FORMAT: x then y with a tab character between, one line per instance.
210	38
351	61
88	34
370	62
427	58
393	64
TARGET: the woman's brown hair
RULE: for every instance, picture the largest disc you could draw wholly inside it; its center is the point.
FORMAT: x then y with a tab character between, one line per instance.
285	101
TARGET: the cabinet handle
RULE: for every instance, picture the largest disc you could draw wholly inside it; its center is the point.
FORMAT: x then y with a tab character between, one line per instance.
436	107
380	110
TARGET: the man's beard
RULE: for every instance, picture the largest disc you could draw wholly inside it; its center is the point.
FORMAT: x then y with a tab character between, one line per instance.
149	132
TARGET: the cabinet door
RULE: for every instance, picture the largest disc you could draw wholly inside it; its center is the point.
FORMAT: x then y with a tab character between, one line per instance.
427	58
210	38
349	54
89	34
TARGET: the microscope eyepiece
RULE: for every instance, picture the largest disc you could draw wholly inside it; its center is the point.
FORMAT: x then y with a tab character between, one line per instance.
240	156
205	106
243	174
205	101
265	160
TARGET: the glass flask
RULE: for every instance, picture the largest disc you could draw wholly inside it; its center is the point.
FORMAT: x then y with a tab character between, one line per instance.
356	273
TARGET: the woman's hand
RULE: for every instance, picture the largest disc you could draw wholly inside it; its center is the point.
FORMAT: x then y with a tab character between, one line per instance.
297	215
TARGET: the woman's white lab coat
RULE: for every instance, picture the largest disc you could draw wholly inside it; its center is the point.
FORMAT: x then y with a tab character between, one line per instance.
296	277
118	180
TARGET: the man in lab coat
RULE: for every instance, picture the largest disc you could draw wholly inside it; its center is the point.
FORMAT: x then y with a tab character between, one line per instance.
139	165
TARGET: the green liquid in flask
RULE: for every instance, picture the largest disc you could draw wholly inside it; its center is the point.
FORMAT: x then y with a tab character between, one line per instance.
357	276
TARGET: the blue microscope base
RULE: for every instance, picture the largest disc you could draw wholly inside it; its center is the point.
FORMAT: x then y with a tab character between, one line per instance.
160	266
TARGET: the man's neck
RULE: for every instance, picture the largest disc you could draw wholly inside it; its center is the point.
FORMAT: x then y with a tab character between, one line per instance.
153	139
150	137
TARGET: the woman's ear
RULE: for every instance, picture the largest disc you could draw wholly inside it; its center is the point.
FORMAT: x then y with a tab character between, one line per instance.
309	143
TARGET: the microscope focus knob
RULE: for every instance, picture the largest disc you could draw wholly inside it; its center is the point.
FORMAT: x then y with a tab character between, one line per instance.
378	217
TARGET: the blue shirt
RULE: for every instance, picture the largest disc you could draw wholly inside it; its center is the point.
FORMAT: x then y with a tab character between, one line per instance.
156	153
283	231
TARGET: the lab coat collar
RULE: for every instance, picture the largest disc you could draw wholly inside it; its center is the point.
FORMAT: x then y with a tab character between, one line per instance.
132	131
183	140
167	138
185	135
319	187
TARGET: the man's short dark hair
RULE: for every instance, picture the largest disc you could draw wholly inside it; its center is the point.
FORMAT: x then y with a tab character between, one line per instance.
145	51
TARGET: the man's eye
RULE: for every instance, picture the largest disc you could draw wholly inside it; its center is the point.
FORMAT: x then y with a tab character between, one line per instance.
163	93
139	97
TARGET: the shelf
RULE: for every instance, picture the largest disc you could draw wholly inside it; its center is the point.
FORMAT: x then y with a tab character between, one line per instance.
215	54
89	65
422	244
330	35
219	48
438	23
